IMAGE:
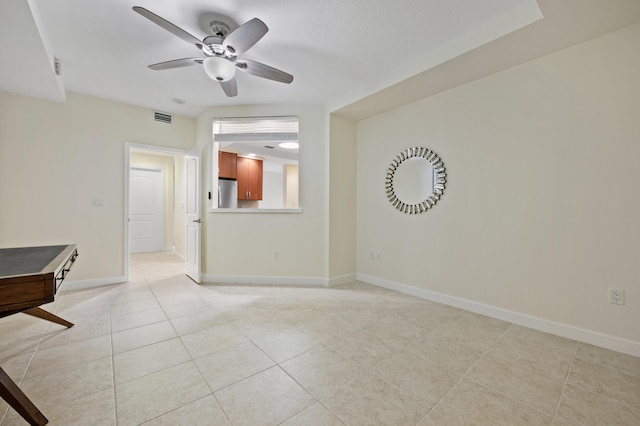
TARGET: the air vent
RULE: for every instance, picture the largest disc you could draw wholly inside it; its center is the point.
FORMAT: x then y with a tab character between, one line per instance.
269	147
162	117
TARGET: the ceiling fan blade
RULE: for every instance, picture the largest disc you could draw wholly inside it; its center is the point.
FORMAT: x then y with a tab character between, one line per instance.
265	71
176	63
230	87
245	36
173	29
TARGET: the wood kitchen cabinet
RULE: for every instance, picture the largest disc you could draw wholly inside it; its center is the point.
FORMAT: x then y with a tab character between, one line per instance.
249	175
227	165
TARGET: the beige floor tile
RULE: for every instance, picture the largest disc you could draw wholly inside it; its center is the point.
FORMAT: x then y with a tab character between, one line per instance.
203	412
69	355
228	366
62	386
624	363
94	298
477	331
469	403
198	321
447	351
25	331
267	398
369	400
424	380
177	310
321	370
212	339
585	408
87	325
417	346
517	382
358	315
136	319
427	314
605	381
255	324
133	306
16	366
363	347
316	415
142	336
126	295
96	408
323	326
547	354
398	332
286	343
148	359
158	393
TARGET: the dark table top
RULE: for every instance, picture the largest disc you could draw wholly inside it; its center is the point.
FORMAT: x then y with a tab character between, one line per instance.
27	260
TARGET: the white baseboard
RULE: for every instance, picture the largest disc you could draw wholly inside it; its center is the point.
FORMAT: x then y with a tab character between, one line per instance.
595	338
97	282
169	249
342	279
264	279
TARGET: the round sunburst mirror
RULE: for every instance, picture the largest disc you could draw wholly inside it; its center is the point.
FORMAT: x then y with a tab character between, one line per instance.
415	180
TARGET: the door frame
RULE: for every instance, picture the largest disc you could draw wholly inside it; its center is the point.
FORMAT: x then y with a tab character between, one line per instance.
194	271
128	146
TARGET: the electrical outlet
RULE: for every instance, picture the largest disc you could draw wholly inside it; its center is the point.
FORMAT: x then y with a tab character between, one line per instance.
276	255
616	296
378	256
372	255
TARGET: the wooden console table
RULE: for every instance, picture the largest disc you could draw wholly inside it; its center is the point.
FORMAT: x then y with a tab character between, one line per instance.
30	277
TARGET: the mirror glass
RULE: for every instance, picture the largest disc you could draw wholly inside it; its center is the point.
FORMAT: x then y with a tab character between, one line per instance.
415	180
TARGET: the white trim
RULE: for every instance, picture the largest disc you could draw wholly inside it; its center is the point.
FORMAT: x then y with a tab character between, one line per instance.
342	279
241	210
615	343
96	282
264	279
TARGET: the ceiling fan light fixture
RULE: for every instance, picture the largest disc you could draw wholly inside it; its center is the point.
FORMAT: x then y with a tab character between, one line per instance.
219	69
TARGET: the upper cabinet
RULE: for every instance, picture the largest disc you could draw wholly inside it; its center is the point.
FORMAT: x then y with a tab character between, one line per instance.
249	175
227	167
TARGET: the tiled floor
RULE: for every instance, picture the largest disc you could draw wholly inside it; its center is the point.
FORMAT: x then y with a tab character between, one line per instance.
161	350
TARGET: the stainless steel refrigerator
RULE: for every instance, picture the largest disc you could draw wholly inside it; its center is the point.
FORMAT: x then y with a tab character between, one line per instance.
227	193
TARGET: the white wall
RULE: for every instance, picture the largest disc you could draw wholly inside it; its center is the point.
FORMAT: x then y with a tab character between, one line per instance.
56	158
541	214
342	226
241	246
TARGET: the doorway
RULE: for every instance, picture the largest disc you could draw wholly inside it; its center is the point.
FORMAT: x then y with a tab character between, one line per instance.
145	166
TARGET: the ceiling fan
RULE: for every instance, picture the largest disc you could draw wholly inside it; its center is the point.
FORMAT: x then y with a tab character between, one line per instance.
221	51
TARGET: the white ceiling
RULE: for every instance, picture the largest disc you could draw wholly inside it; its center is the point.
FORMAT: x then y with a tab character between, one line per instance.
341	52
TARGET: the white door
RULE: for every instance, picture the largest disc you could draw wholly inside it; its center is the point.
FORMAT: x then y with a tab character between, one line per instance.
193	221
146	210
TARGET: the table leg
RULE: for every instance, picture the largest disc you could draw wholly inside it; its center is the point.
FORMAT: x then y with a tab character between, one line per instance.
46	315
11	393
